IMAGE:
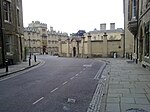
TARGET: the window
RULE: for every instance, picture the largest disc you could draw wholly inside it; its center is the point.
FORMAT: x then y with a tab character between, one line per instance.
148	3
17	2
7	11
18	18
141	7
134	8
147	40
9	44
129	10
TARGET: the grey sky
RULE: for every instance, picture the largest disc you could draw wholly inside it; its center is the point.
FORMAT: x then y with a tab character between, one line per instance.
73	15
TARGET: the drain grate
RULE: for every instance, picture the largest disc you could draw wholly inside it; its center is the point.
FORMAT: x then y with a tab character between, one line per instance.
135	110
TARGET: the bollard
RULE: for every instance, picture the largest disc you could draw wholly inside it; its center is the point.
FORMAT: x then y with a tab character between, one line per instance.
6	63
131	55
29	61
35	58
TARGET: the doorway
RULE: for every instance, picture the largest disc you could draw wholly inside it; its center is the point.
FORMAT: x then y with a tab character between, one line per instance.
74	51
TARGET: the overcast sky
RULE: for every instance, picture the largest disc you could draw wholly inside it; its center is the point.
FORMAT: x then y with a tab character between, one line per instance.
73	15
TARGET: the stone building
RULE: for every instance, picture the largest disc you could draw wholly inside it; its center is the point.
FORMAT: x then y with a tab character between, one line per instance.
129	37
39	39
11	31
97	43
138	23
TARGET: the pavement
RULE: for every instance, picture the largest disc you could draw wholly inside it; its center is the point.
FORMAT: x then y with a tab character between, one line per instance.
124	86
18	67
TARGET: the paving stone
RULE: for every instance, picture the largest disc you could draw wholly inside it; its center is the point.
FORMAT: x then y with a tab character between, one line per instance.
148	96
118	91
114	82
148	85
124	82
134	95
114	95
143	79
113	100
137	90
147	90
129	86
112	107
116	86
127	100
142	85
141	101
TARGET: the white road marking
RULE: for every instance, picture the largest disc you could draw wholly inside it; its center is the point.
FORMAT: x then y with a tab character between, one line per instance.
87	65
84	69
77	74
72	78
65	83
38	100
54	90
80	71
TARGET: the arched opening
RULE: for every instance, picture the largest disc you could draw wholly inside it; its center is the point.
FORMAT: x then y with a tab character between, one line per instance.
74	51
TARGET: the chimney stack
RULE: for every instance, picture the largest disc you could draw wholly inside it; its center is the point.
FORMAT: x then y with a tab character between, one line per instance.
112	26
103	26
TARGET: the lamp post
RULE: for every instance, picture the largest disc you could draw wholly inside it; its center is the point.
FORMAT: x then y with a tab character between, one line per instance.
29	48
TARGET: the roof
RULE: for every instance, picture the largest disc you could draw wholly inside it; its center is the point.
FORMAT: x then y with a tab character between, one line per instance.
108	31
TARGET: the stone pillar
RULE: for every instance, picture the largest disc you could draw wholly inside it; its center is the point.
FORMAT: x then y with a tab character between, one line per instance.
82	46
105	45
123	45
89	45
60	47
68	48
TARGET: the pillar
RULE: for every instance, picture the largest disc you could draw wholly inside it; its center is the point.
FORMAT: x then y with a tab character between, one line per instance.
89	45
68	48
60	47
123	45
82	46
105	45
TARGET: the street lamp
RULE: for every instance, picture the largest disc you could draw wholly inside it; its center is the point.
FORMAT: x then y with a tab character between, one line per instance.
29	47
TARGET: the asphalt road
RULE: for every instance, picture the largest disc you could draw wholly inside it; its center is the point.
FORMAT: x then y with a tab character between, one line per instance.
59	85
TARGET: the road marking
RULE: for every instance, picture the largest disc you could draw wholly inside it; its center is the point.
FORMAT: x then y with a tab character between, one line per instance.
80	71
87	65
77	74
65	83
54	90
38	100
72	78
84	69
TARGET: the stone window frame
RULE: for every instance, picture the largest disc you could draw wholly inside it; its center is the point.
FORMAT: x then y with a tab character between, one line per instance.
7	11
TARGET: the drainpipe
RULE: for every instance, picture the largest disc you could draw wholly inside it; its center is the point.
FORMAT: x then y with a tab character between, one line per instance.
137	50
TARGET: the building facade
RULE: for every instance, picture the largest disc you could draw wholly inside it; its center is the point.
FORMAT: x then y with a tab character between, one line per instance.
11	31
97	43
39	39
129	37
139	25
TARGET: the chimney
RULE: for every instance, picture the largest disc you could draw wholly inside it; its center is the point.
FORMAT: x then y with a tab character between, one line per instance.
112	26
103	26
51	28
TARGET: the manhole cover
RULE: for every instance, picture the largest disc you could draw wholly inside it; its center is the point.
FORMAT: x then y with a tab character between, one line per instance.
135	110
